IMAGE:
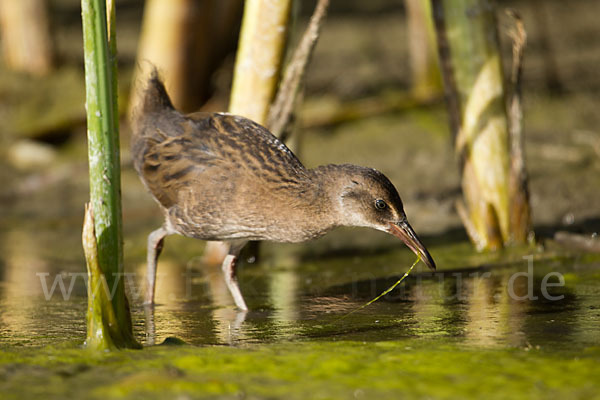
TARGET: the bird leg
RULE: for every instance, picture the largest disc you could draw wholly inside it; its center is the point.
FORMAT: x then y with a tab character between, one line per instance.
155	245
229	274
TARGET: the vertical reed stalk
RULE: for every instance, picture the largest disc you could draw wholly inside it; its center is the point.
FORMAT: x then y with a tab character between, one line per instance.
26	41
426	79
258	64
109	320
259	58
470	55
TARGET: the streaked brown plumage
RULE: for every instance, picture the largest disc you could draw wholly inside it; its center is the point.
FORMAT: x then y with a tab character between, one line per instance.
223	177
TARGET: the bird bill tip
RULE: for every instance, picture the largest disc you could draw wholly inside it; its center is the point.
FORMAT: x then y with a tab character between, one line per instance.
405	232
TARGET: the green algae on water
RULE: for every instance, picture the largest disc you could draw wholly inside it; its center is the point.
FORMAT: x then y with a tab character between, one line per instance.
407	368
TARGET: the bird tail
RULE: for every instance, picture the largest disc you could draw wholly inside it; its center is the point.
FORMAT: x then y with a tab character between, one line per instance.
152	99
152	118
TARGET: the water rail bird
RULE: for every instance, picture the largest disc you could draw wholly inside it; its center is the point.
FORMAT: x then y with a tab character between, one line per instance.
224	177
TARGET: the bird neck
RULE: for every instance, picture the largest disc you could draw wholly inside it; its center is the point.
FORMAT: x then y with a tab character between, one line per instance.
331	181
312	206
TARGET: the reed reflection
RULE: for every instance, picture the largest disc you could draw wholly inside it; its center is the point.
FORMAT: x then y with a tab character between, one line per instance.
37	295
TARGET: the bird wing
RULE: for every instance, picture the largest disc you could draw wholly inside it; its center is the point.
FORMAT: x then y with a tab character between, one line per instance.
169	157
201	152
243	137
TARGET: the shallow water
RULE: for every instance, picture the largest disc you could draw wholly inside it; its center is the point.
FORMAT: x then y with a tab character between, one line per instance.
515	299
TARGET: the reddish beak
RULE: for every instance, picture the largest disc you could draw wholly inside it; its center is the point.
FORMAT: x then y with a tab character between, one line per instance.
406	233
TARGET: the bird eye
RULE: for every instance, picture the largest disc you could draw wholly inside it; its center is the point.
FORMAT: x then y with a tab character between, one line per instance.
380	204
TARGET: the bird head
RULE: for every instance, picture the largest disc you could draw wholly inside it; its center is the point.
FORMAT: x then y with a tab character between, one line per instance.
367	198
